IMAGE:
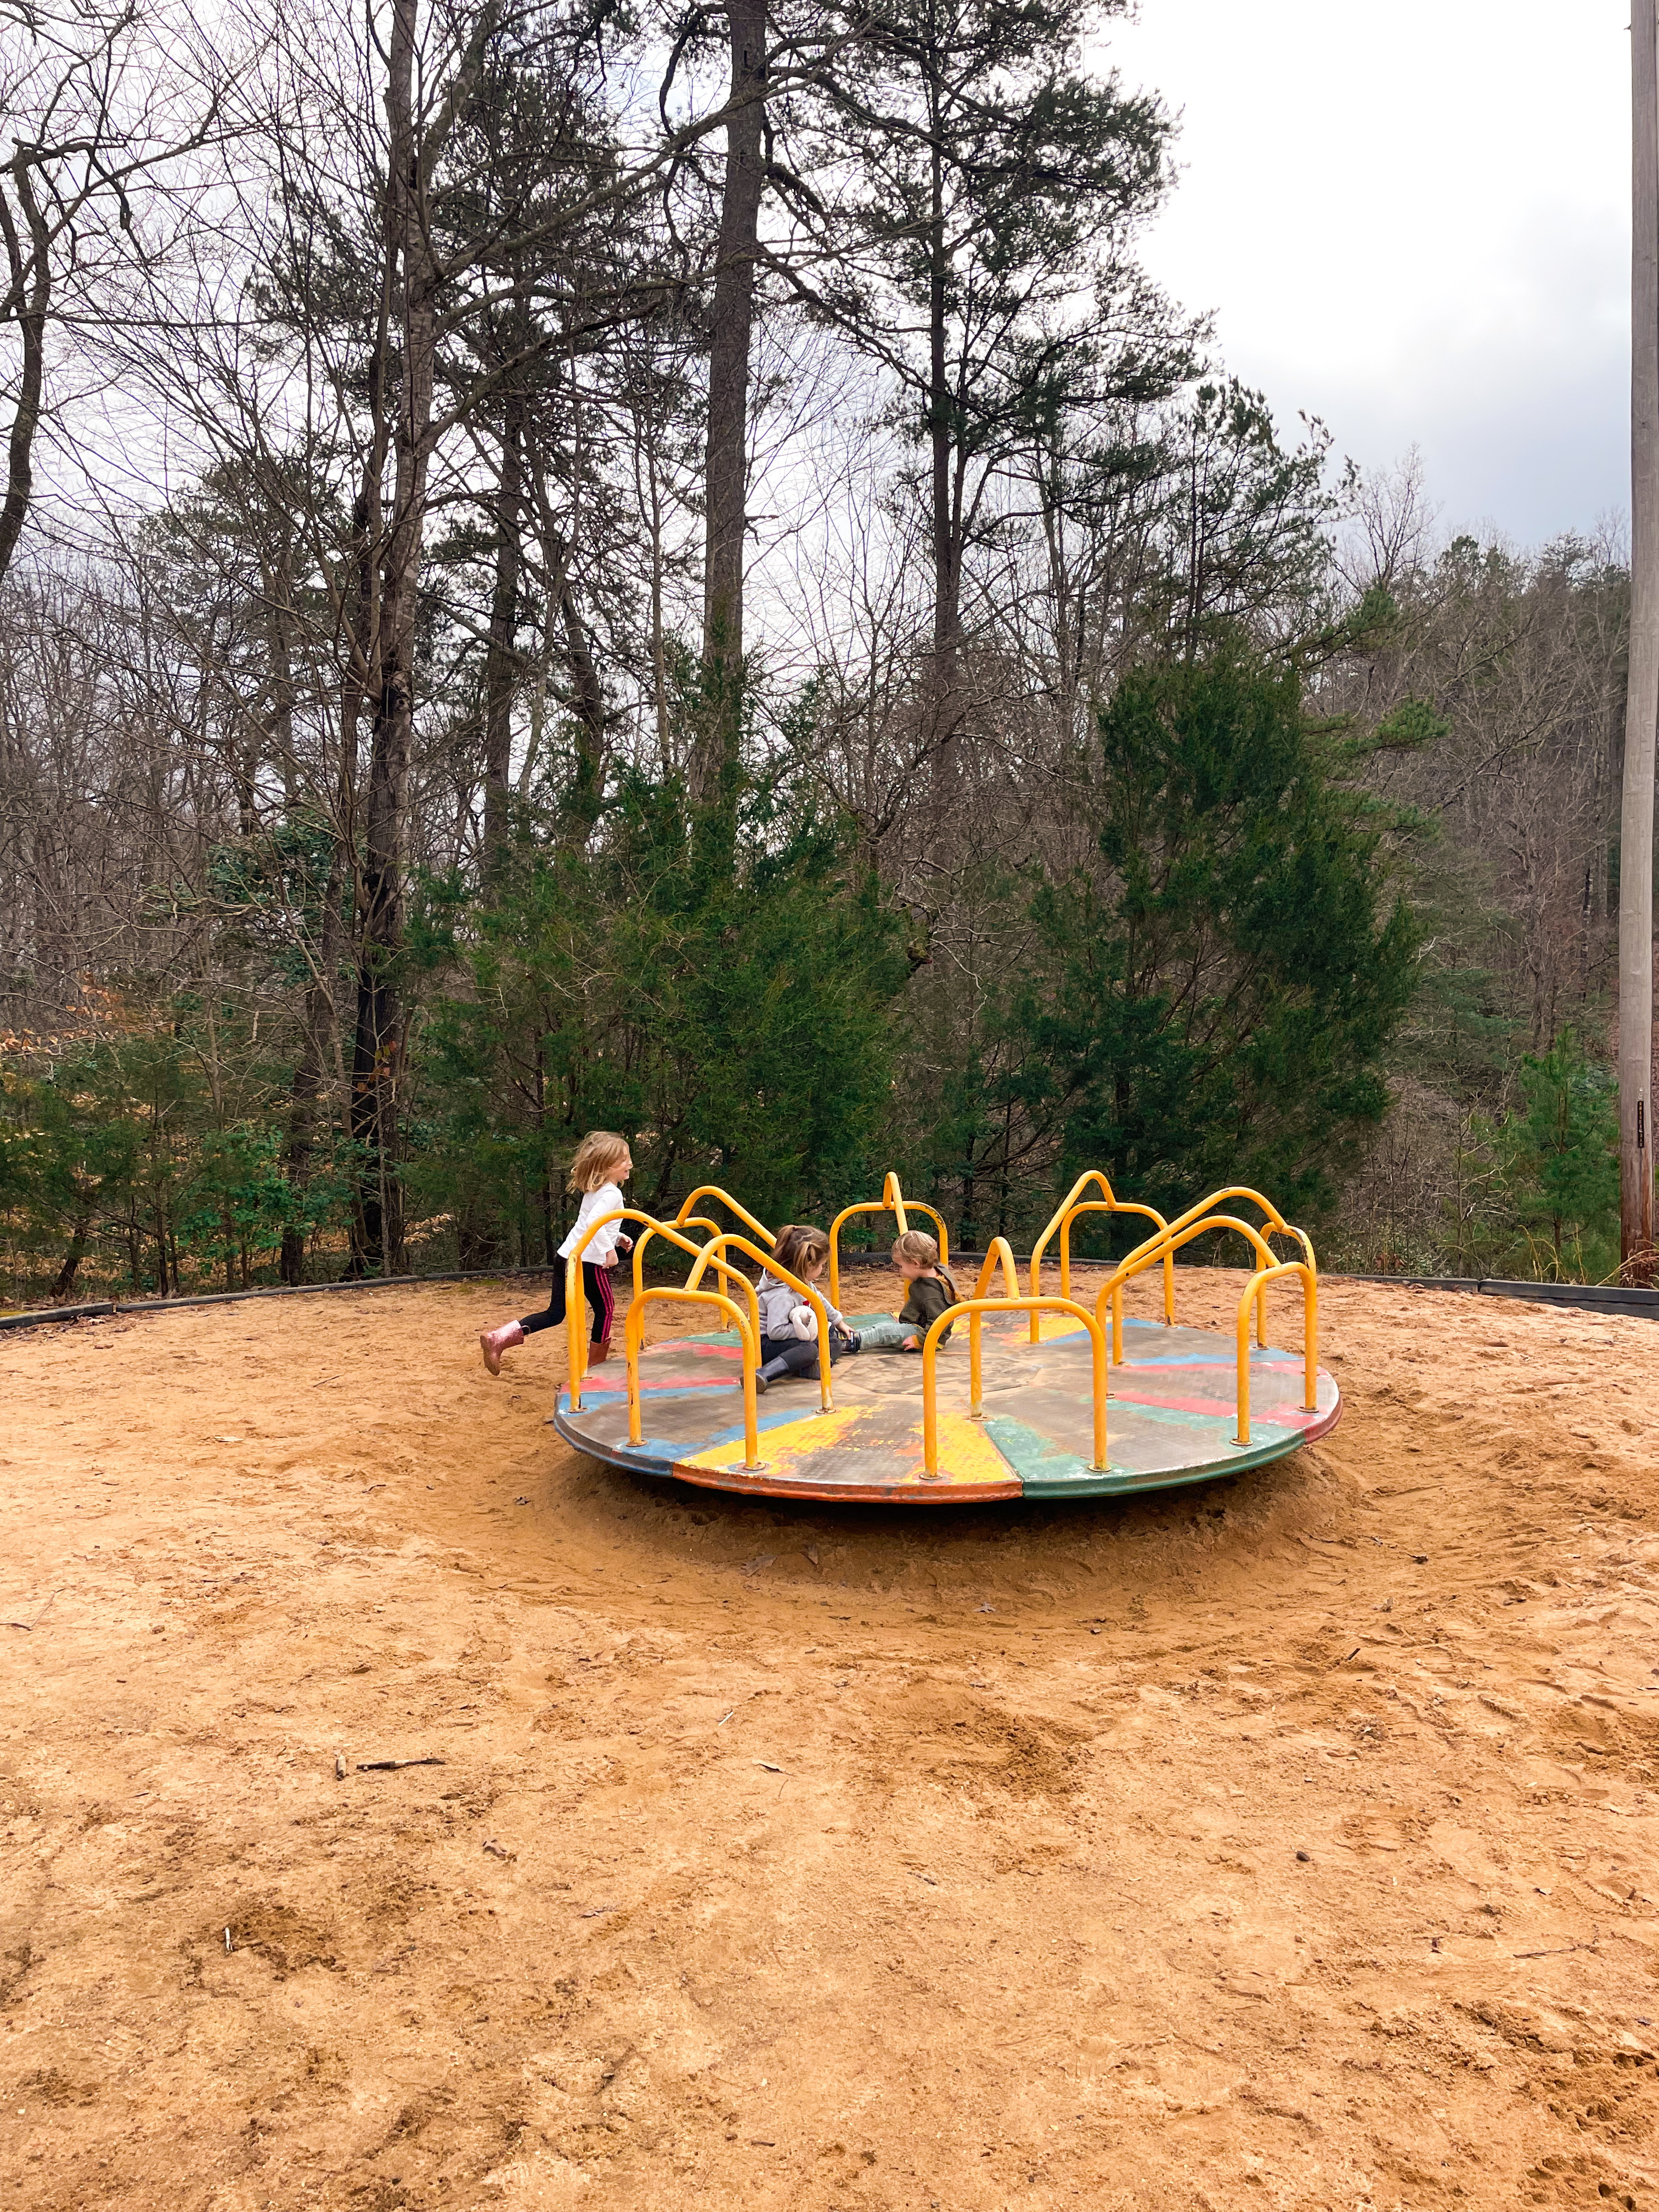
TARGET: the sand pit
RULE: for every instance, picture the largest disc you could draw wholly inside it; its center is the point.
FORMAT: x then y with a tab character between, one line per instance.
1287	1842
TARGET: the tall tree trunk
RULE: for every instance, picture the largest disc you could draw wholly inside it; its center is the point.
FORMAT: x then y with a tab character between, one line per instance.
587	691
378	1042
726	470
72	1259
319	1048
278	586
501	660
302	1132
587	697
945	702
30	284
343	900
307	1079
1642	711
653	507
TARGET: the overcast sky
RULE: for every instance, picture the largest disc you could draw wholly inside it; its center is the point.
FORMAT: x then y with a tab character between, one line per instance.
1415	222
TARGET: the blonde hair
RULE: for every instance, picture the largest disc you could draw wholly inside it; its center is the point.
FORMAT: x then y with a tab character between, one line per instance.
919	1249
598	1152
796	1246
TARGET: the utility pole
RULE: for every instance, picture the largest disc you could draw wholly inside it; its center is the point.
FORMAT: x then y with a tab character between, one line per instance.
1641	708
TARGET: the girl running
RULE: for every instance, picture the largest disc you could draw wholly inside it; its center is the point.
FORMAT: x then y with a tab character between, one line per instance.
603	1164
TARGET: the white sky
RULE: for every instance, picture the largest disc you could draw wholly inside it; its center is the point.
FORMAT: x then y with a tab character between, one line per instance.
1414	221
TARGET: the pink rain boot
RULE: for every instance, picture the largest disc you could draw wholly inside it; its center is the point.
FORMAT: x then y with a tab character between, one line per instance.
494	1341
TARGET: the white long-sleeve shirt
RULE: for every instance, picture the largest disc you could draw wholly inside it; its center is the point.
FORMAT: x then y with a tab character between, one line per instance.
607	1199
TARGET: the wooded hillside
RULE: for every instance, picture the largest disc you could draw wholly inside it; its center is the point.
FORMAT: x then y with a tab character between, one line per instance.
669	569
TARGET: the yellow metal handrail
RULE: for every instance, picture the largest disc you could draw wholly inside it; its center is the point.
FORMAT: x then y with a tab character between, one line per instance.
1089	1175
575	1308
715	1250
1258	1289
1165	1248
695	1221
1001	1252
1276	1220
750	1340
1256	1292
974	1308
713	1190
1065	1218
892	1201
1154	1247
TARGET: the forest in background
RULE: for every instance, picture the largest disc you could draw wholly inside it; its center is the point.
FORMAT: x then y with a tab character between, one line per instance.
668	568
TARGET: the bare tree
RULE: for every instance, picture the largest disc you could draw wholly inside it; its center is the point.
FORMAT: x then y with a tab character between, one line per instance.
101	102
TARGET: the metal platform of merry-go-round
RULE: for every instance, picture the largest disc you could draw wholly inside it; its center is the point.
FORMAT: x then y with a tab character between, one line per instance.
1034	1394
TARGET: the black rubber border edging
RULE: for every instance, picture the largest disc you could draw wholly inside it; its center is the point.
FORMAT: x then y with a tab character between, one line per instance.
44	1316
1586	1297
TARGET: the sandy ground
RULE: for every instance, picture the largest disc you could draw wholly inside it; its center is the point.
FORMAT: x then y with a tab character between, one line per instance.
1287	1842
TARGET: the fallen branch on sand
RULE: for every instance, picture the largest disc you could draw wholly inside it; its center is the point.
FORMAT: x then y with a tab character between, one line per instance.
1561	1950
38	1617
391	1765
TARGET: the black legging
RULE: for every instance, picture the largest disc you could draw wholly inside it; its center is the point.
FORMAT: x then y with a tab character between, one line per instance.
596	1281
801	1356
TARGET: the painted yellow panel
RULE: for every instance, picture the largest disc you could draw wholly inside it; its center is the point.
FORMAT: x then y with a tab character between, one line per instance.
1053	1326
966	1454
796	1442
860	1431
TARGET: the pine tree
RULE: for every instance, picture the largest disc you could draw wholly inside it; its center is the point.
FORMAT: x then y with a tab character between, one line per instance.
976	186
1224	981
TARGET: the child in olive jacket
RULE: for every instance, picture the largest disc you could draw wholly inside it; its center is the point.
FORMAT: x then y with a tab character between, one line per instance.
931	1292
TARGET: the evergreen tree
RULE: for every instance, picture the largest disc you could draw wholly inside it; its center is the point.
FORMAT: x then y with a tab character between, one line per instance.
1224	983
1559	1155
727	1005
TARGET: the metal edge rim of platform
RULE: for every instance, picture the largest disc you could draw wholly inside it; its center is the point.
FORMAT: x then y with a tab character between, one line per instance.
1238	1462
863	1493
734	1481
